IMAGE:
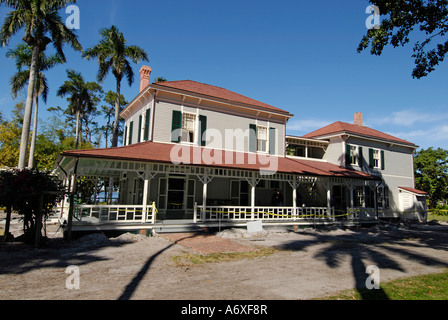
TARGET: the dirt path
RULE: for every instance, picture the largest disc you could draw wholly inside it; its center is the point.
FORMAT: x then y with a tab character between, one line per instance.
308	264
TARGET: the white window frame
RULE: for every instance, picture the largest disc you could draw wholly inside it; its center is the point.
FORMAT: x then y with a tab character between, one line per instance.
376	159
189	136
262	142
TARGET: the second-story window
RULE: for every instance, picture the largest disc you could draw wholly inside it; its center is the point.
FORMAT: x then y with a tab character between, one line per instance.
353	155
262	139
377	159
188	127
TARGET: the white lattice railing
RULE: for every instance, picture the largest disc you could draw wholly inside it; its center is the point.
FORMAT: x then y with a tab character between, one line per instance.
245	213
115	213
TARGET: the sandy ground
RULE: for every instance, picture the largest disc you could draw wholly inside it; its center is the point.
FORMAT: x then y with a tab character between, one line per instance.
308	264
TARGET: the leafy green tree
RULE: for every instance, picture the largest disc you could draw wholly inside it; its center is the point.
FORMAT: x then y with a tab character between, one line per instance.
83	97
32	194
160	79
43	25
431	173
10	133
399	18
22	55
112	54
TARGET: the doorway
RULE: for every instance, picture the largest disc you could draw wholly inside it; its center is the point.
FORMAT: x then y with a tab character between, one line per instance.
176	198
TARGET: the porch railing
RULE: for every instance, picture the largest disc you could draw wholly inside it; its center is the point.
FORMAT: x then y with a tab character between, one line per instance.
245	213
115	213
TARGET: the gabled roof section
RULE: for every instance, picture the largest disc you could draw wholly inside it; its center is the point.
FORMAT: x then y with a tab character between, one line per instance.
348	128
194	87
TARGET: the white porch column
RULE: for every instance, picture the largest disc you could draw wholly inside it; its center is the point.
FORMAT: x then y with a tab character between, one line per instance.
145	197
328	187
294	185
253	182
205	179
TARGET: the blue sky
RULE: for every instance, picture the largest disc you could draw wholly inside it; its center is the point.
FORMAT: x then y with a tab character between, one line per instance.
296	55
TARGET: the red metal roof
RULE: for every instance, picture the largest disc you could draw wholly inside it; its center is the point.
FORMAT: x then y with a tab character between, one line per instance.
217	92
343	127
164	153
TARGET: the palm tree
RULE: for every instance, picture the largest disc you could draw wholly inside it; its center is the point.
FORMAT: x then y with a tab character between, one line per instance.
22	55
112	54
43	25
160	79
82	98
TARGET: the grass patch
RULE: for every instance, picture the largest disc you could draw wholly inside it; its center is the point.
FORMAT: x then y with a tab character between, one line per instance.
424	287
438	217
190	259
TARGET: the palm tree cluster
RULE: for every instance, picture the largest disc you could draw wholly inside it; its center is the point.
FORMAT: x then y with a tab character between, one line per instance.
43	25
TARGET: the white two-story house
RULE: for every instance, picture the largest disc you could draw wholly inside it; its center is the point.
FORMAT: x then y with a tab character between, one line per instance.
198	155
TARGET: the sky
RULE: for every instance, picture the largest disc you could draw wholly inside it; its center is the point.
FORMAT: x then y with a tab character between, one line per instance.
299	56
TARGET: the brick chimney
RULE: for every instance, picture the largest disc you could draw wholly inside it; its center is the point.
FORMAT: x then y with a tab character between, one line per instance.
145	72
359	119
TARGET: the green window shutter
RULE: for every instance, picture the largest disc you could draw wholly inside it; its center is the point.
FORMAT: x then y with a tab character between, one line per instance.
272	140
131	130
360	157
147	123
202	138
252	138
348	158
139	132
371	160
176	126
125	142
383	163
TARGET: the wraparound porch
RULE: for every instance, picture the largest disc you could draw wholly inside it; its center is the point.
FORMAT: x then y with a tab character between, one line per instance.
120	195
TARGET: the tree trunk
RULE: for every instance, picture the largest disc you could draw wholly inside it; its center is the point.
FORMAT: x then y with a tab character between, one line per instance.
77	130
8	222
28	109
117	115
34	138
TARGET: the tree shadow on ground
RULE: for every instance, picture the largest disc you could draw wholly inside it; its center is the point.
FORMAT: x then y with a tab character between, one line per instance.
20	258
135	282
370	244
